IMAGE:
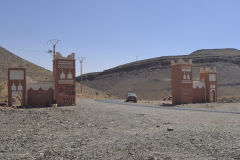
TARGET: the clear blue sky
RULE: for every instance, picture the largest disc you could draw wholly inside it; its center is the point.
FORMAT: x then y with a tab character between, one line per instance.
113	32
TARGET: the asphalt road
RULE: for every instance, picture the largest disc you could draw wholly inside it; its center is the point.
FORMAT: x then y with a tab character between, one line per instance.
121	102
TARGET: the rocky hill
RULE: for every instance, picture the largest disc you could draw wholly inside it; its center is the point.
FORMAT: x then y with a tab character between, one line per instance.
8	59
150	78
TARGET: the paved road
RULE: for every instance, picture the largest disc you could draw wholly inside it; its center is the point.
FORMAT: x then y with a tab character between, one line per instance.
167	107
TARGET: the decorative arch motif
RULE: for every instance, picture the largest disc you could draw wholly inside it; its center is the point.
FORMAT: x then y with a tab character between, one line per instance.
69	76
17	84
212	95
13	87
20	88
40	97
62	75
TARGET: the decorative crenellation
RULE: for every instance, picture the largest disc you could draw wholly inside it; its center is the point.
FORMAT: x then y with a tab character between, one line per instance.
181	61
70	57
208	69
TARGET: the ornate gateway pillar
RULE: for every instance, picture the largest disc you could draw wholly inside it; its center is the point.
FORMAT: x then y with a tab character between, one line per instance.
64	68
17	85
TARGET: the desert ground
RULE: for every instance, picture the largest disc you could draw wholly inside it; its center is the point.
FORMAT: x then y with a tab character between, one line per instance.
102	129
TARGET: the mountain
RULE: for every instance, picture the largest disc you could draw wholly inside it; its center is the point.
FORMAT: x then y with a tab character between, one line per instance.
150	79
8	60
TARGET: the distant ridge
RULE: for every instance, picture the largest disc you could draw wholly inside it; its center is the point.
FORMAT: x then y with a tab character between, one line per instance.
150	78
219	52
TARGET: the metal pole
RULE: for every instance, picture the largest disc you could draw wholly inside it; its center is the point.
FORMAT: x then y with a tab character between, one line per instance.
54	51
54	42
205	92
81	79
81	59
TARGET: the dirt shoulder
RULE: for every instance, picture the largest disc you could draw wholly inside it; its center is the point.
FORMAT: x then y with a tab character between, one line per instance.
95	130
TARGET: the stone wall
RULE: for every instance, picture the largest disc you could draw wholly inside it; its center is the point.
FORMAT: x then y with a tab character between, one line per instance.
40	97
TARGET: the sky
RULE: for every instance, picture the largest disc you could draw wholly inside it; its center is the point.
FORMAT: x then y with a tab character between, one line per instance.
109	33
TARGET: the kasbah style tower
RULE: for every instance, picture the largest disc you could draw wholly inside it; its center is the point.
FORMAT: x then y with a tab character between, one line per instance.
186	90
64	72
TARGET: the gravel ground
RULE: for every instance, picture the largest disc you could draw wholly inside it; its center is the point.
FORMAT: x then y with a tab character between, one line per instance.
96	130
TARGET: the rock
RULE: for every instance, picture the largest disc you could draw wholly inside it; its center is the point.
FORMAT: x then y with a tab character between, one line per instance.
166	123
41	154
169	129
152	158
54	105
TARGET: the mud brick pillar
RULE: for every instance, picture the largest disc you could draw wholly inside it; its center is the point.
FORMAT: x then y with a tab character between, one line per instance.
210	77
181	76
65	91
17	84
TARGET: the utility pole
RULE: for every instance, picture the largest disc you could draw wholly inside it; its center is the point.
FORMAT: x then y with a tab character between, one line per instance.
53	42
81	59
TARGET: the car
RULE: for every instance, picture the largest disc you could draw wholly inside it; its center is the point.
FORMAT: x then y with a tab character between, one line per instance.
131	97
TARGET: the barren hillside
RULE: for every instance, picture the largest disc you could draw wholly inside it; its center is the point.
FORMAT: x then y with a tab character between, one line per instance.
8	59
150	78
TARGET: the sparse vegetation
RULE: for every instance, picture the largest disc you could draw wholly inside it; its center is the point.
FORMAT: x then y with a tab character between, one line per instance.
3	93
230	99
90	93
2	85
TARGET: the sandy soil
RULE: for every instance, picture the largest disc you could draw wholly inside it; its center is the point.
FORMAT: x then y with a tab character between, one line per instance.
212	106
96	130
154	102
